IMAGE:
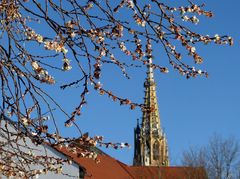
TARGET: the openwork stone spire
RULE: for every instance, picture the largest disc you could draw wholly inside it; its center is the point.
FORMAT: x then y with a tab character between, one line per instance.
150	142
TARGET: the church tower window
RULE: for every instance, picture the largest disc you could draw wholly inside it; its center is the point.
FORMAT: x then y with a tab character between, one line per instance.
156	151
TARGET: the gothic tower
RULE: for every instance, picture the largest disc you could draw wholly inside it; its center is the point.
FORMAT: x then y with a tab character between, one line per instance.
150	147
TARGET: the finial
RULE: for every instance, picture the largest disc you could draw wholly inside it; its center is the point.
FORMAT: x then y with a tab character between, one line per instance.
138	123
138	127
150	69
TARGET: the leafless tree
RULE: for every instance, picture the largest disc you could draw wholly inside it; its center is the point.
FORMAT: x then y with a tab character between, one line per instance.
41	40
194	157
220	157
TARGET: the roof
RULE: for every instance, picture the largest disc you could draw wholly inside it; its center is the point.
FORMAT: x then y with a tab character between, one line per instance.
110	168
163	172
114	169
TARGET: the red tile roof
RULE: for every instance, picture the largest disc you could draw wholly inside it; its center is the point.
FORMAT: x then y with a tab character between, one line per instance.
110	168
145	172
107	168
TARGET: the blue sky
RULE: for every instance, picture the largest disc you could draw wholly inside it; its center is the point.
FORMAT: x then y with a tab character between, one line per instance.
190	110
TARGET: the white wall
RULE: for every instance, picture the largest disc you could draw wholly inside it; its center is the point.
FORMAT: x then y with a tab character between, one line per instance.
71	169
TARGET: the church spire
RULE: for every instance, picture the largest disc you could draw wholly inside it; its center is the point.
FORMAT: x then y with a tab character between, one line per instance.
151	147
137	144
